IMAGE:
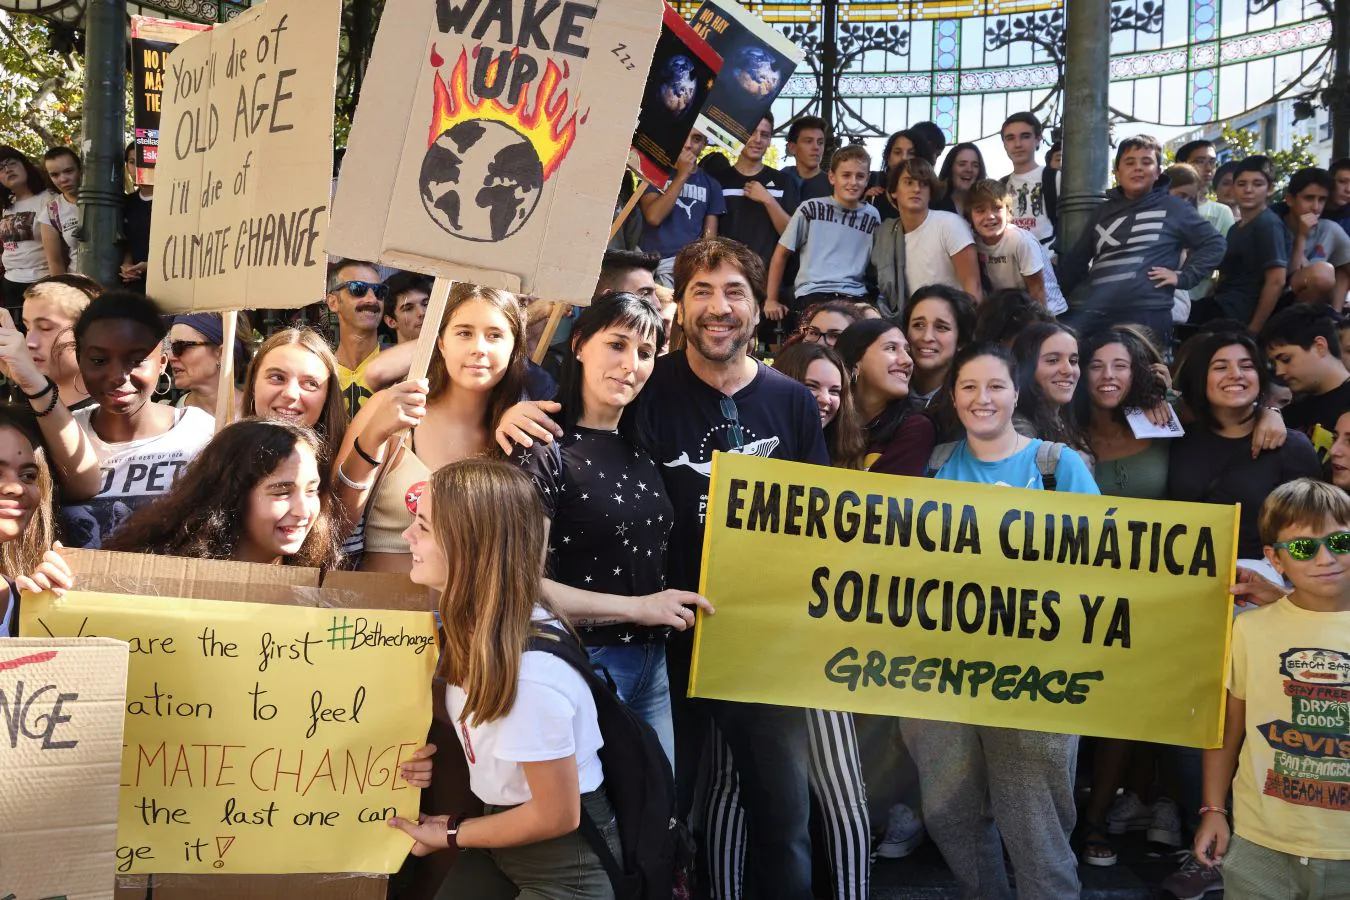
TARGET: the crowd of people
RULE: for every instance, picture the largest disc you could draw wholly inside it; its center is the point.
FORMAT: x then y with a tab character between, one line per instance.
921	320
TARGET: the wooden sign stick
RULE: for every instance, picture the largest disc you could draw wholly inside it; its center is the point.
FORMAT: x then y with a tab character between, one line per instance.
225	387
559	310
431	328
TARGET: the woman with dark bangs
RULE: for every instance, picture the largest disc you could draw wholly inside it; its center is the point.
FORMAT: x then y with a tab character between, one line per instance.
24	195
256	493
608	516
961	168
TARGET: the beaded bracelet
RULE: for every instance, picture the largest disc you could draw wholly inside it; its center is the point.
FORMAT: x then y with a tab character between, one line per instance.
51	404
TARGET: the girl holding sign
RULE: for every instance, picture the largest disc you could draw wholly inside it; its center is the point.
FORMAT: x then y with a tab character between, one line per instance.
980	782
526	719
256	493
477	372
25	518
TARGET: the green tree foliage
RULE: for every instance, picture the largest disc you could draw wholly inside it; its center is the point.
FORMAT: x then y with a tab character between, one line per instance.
42	91
1245	142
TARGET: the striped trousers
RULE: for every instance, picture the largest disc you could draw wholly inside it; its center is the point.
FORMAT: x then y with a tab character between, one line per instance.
837	786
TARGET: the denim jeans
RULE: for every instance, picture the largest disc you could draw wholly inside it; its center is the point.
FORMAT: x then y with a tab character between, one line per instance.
639	673
1157	321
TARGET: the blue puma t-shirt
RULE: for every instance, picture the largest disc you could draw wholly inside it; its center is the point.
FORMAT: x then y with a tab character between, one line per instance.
681	421
700	197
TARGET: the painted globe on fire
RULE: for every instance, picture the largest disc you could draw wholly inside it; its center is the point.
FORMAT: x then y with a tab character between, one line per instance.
481	180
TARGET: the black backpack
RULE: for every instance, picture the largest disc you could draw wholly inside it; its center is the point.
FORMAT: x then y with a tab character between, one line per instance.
638	781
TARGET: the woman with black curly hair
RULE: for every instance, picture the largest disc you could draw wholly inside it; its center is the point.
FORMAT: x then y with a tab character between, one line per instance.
256	493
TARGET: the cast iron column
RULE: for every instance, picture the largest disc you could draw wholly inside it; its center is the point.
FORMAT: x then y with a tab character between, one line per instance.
1087	149
105	120
1340	82
829	65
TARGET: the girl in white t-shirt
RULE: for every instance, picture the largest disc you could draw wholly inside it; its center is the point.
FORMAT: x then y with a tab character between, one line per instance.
59	221
23	196
1010	257
526	720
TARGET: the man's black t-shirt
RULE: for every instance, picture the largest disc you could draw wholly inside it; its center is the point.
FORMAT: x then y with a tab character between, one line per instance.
681	417
1316	416
1207	468
610	520
747	221
136	229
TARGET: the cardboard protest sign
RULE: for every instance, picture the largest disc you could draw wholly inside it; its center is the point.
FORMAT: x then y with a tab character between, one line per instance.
757	62
61	711
245	171
682	73
491	137
260	738
932	599
151	42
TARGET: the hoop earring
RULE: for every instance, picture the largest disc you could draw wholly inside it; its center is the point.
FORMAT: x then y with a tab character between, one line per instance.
167	388
79	386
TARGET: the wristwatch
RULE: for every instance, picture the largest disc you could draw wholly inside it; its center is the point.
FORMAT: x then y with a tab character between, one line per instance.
452	832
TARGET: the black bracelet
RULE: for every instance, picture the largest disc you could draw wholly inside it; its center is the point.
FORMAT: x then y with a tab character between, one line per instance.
356	445
49	386
51	405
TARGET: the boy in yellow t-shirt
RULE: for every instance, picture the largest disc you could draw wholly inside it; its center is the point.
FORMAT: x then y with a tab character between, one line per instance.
1288	715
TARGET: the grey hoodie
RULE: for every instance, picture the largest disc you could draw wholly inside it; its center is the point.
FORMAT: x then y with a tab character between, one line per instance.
1107	269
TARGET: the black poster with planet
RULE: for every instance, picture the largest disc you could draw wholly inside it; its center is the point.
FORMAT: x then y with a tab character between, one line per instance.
683	70
757	62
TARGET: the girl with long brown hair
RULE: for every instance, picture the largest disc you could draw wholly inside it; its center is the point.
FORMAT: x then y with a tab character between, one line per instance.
526	720
477	372
293	378
25	518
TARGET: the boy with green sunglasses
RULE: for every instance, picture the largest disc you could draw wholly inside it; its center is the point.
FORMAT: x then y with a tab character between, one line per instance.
1287	728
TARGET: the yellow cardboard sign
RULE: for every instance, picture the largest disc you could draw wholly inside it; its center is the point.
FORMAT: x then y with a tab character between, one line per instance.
260	739
961	602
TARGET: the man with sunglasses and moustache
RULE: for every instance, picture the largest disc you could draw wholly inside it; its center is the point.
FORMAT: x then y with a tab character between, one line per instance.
714	396
356	297
1285	731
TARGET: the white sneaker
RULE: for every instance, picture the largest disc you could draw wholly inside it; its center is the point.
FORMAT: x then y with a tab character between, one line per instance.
904	832
1165	828
1128	813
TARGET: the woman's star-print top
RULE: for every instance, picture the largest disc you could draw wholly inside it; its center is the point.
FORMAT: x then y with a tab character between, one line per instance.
611	521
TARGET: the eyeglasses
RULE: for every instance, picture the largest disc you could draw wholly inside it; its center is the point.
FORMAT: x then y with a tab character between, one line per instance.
1305	548
358	289
178	348
813	335
733	415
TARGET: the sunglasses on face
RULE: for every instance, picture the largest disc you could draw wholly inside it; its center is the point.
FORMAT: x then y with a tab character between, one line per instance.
733	415
1305	548
178	348
358	289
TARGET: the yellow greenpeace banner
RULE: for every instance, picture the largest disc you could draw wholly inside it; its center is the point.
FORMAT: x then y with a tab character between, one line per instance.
259	738
972	603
